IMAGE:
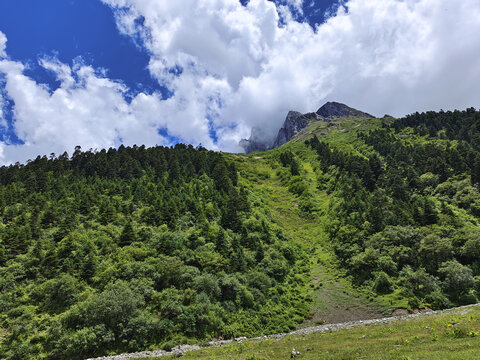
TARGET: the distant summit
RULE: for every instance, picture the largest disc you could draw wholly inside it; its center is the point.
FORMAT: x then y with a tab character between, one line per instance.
335	109
295	123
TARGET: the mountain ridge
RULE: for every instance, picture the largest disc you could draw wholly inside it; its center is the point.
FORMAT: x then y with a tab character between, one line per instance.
295	122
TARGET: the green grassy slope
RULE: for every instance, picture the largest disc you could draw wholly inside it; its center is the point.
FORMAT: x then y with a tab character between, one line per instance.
452	335
350	220
307	216
409	222
333	297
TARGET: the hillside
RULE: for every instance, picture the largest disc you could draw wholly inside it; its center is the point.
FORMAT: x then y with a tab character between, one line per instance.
295	123
451	334
136	248
122	249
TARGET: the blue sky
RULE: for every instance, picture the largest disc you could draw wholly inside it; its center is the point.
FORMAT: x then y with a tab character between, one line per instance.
105	72
85	29
68	29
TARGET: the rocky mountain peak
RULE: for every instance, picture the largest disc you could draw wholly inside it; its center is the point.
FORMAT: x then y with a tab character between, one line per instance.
295	123
334	109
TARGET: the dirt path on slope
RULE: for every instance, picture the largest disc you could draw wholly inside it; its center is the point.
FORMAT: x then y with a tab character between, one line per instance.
336	301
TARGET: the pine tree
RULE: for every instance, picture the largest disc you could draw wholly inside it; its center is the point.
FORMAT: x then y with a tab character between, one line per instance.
238	261
230	218
221	243
476	170
128	235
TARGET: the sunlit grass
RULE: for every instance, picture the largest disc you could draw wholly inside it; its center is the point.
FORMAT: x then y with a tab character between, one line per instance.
453	335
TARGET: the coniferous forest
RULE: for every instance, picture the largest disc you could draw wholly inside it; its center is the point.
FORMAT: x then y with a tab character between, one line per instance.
118	250
407	215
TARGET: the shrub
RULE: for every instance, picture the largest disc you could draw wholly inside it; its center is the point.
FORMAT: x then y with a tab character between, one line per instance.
382	283
457	278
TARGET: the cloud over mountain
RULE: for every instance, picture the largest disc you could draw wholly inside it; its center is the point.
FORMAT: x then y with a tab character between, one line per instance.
230	67
380	55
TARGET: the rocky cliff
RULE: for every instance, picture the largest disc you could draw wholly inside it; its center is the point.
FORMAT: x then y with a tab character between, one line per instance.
294	124
334	109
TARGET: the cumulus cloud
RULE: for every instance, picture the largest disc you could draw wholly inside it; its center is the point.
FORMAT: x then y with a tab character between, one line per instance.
3	46
2	119
293	5
231	67
382	56
91	110
87	109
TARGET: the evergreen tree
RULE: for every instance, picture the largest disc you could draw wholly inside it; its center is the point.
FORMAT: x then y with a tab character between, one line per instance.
128	235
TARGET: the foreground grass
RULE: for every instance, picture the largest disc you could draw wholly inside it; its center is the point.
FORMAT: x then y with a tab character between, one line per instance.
451	335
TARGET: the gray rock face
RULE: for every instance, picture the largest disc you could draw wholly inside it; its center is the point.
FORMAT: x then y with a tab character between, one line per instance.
313	116
294	123
334	109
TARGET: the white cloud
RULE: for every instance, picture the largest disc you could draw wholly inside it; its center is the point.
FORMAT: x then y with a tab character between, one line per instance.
3	45
2	119
90	110
240	69
297	5
382	56
86	110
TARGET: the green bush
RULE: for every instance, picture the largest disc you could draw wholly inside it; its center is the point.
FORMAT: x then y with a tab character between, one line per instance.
382	283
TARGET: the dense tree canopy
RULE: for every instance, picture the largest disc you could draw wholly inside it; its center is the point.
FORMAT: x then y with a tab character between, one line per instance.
408	213
117	250
124	249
